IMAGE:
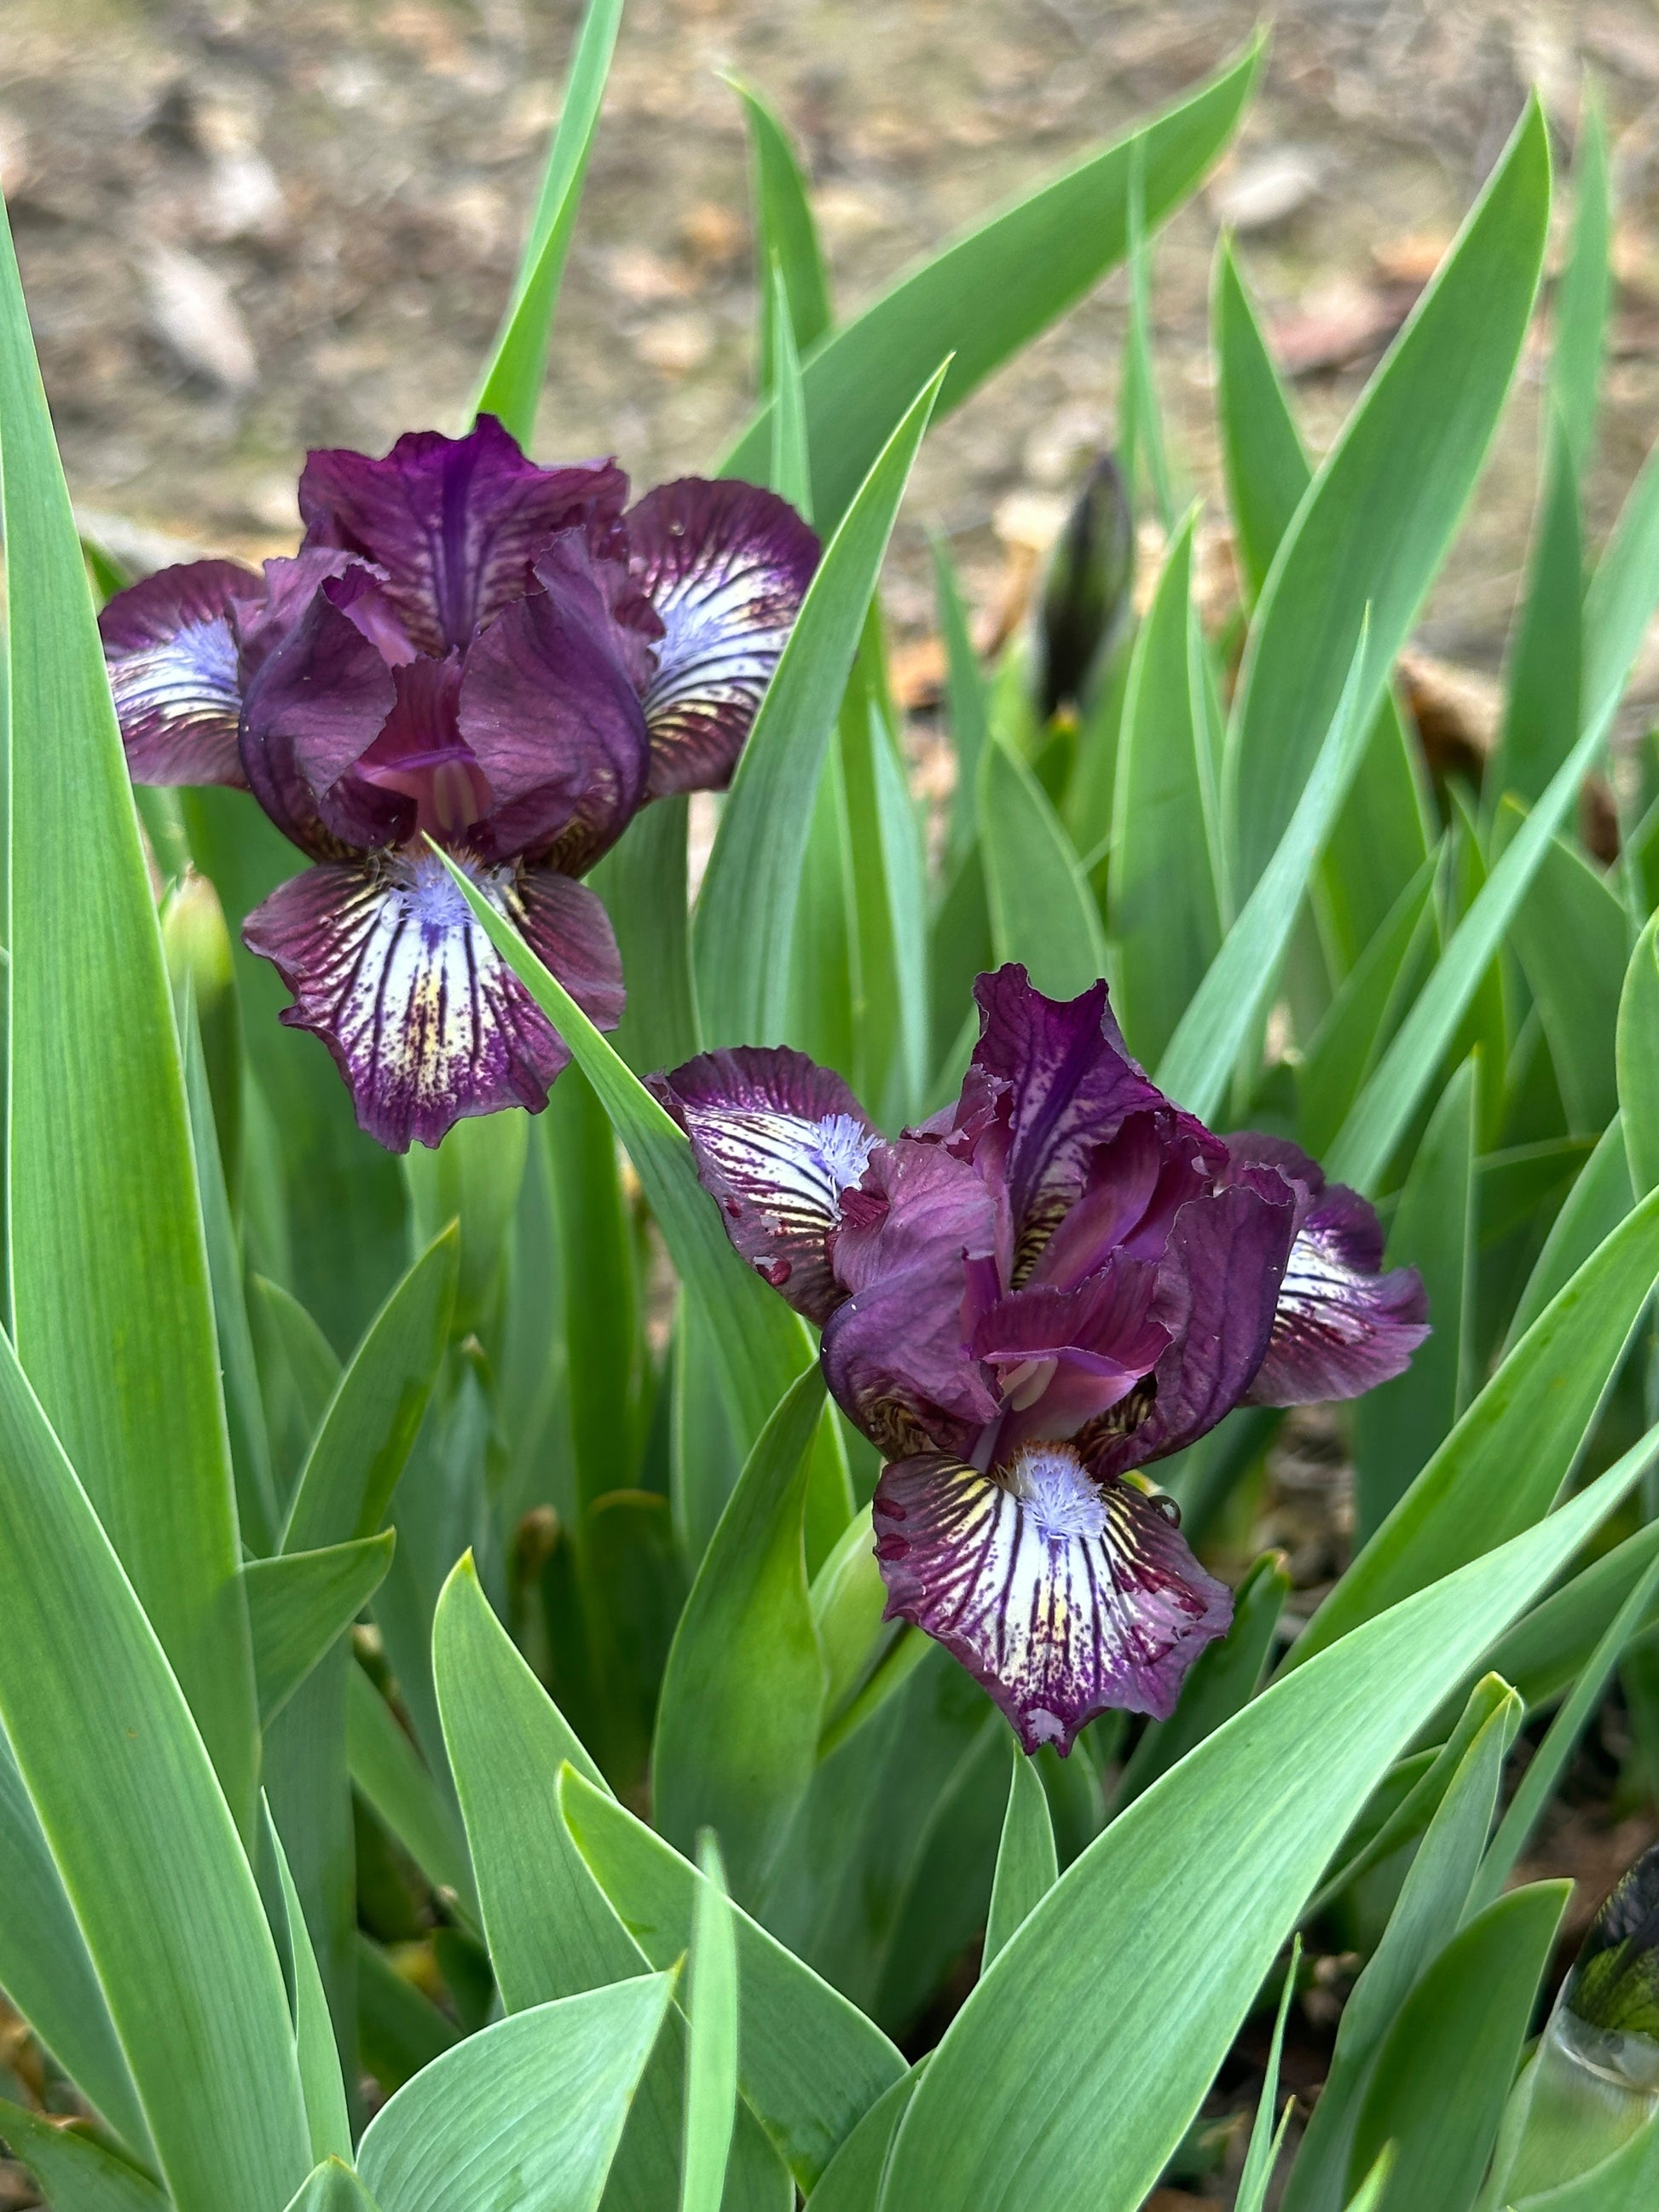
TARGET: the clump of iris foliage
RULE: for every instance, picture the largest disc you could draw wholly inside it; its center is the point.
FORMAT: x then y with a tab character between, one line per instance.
520	1612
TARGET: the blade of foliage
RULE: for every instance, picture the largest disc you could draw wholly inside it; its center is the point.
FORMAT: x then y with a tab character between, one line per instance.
112	1309
333	2187
1266	2140
1582	296
319	2060
1442	2078
300	1603
141	1835
1027	1868
1398	1427
300	1370
1239	982
761	1346
711	2065
1427	1915
791	473
889	903
1141	427
1163	909
249	1446
808	2063
527	2114
76	2171
369	1428
1572	940
852	2180
1382	834
744	919
1639	1060
1623	2183
1597	1203
1502	1467
45	1970
1221	1854
551	1933
785	237
1407	460
1545	1769
967	707
1042	913
1541	707
737	1725
1365	1012
1551	1647
512	381
987	294
389	1774
1226	1677
642	882
401	2029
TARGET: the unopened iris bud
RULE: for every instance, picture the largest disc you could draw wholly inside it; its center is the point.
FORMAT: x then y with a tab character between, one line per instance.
1594	2079
1087	588
196	940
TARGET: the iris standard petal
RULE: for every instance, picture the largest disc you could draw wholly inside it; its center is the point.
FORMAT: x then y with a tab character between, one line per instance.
1062	1595
316	704
1218	1293
896	1355
550	709
777	1141
1341	1326
425	1019
170	644
1050	1082
725	565
454	522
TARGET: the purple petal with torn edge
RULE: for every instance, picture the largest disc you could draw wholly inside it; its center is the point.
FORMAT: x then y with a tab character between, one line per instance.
896	1355
777	1141
1062	1595
549	708
454	522
171	648
725	565
425	1019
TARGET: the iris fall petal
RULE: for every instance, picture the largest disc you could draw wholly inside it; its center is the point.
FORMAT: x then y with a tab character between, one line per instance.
1061	1594
170	644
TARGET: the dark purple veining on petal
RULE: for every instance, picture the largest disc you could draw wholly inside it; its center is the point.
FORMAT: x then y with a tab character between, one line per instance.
726	566
1343	1324
423	1018
1061	1595
170	645
778	1141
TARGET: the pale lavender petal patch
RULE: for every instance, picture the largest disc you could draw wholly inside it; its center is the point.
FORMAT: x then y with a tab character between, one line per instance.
454	523
1063	1595
725	565
422	1017
778	1142
170	645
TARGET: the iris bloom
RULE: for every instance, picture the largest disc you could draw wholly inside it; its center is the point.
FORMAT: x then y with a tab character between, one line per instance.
1058	1280
508	659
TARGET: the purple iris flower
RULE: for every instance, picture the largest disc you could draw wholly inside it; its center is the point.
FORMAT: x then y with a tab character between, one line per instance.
507	658
1055	1281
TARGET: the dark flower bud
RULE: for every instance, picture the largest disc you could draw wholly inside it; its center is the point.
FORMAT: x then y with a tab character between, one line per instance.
1086	590
1615	1984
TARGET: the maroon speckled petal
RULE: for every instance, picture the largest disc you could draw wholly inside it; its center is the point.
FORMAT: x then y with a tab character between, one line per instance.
1342	1324
170	644
549	706
777	1141
725	565
454	522
1062	1595
425	1021
896	1355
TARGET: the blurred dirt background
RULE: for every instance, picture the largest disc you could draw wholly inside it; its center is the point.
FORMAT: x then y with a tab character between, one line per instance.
247	228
